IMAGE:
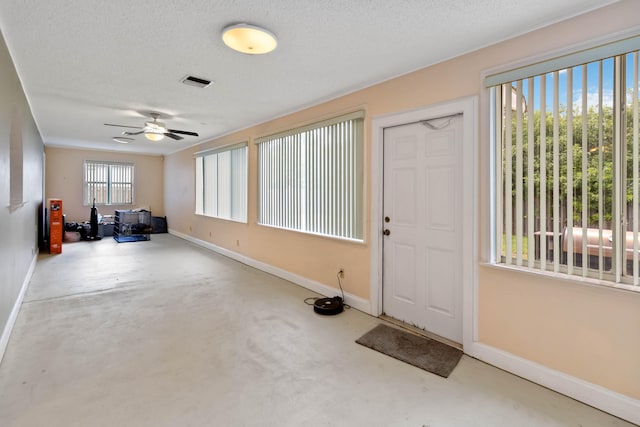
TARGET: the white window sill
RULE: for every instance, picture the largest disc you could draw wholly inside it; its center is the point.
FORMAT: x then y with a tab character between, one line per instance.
570	279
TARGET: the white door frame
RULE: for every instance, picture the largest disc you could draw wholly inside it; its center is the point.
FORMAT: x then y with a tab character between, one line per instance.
469	108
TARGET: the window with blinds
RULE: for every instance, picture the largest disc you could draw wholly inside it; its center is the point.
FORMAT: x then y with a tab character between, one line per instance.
221	183
568	165
310	179
108	183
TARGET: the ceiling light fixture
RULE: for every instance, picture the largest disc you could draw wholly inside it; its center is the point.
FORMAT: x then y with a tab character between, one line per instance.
122	139
249	39
155	137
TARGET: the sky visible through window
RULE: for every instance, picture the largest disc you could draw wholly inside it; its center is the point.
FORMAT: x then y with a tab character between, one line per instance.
593	76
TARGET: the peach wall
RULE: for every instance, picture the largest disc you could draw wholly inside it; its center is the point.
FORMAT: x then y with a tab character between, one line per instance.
64	179
313	257
552	322
586	331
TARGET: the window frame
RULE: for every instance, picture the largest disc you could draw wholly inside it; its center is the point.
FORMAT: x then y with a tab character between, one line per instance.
235	208
621	275
88	201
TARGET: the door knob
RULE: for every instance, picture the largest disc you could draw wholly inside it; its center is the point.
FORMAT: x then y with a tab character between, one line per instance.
386	232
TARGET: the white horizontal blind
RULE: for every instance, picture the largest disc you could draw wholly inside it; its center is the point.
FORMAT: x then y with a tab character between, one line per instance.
121	180
310	179
96	179
108	183
221	183
569	171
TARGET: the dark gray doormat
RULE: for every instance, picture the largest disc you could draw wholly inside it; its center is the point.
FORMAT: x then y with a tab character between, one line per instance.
425	353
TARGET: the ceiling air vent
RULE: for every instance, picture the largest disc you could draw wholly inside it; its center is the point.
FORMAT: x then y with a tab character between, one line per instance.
196	81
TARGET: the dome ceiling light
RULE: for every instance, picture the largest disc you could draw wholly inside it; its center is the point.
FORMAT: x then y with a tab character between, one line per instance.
249	39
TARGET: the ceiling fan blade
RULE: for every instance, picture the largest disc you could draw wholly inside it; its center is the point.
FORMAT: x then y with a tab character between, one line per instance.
173	136
123	126
132	133
183	132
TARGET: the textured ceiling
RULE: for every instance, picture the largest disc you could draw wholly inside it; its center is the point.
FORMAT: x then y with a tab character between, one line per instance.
84	63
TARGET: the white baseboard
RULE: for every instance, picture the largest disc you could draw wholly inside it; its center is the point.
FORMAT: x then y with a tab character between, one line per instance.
617	404
8	327
320	288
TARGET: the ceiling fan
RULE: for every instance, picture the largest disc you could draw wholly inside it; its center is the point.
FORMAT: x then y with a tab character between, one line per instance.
155	130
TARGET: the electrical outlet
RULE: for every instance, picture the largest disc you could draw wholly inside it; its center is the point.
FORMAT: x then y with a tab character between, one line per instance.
341	273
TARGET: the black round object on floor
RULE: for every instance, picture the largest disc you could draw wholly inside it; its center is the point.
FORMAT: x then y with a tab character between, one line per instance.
328	306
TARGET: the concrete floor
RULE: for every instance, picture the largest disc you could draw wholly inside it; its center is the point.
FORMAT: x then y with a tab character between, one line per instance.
164	333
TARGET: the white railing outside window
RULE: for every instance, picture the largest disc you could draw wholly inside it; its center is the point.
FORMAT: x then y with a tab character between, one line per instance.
567	166
108	183
310	179
221	183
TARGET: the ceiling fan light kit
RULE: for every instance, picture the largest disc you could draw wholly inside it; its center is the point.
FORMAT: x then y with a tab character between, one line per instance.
245	38
154	131
249	39
153	136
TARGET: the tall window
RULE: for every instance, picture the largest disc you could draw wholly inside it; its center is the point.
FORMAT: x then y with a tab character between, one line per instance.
568	165
310	178
108	183
221	183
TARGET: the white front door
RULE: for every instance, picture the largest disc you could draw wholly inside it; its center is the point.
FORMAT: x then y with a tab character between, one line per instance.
422	202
